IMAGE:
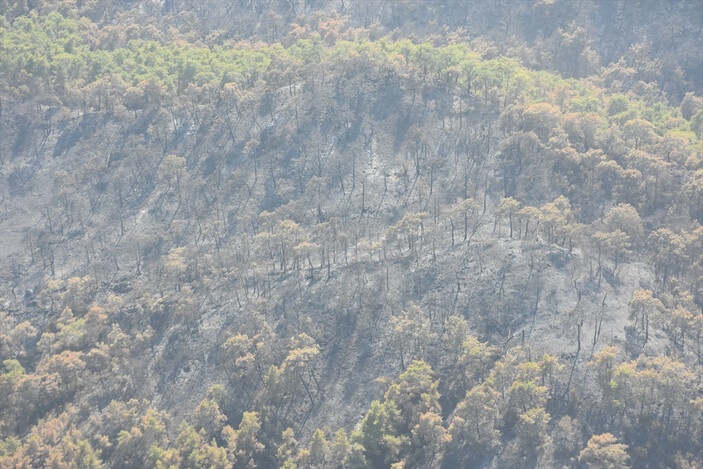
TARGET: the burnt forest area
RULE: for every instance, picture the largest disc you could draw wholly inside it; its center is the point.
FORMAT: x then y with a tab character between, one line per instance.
311	234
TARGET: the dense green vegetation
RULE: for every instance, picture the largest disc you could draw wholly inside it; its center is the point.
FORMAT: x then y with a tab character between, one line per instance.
54	56
341	245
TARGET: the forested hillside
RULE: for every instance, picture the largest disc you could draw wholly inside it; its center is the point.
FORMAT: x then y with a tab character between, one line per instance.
351	234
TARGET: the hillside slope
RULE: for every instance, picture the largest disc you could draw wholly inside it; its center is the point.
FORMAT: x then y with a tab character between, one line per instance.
341	252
